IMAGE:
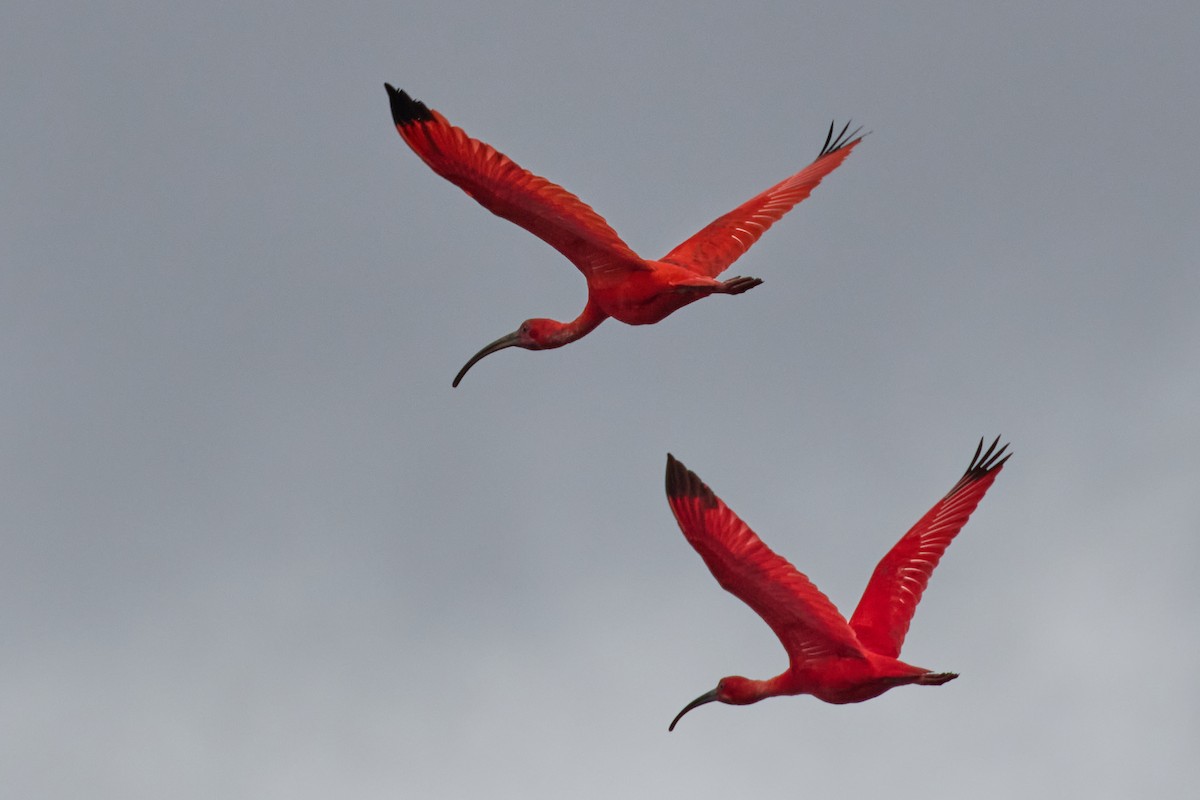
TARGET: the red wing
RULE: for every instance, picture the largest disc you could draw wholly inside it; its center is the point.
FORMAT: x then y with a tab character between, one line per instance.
808	625
890	600
713	249
545	209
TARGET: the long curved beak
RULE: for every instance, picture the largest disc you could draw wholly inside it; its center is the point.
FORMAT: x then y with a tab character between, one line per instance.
707	697
508	340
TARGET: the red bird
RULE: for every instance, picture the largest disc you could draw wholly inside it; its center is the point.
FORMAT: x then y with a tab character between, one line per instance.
621	284
831	659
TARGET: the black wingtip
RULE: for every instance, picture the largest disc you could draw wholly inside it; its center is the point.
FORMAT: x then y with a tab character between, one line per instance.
990	461
682	482
675	475
835	143
405	110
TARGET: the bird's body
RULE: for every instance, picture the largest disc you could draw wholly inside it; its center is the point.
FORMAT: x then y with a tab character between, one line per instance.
833	659
621	284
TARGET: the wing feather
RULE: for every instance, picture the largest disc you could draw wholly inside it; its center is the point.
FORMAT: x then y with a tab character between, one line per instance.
714	248
887	606
806	622
541	207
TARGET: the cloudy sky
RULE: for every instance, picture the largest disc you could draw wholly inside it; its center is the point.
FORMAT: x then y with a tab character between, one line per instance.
255	546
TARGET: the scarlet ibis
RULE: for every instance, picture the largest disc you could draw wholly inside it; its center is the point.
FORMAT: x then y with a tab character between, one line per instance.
620	284
831	659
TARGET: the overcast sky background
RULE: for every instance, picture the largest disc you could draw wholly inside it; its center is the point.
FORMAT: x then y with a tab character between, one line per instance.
254	545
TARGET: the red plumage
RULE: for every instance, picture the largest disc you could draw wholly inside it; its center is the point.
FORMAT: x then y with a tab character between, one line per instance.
620	283
832	659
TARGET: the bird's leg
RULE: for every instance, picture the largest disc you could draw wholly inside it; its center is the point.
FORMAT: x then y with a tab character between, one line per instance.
738	285
936	678
696	284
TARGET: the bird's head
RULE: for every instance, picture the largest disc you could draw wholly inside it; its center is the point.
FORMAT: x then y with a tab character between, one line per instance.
534	334
734	690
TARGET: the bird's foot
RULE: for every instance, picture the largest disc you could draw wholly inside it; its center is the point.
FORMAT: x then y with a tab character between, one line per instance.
739	284
936	678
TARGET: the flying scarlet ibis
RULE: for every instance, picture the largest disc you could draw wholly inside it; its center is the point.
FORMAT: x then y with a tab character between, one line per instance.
832	659
620	283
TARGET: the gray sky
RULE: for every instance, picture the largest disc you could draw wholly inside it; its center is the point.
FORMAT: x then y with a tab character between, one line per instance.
256	546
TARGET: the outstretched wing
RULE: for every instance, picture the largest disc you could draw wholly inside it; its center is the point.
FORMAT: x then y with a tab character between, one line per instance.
806	622
545	209
713	249
890	600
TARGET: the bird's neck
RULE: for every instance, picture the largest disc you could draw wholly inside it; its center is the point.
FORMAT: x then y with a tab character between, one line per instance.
782	684
577	328
741	691
787	683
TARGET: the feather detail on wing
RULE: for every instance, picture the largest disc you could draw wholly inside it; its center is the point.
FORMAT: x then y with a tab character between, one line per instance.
541	207
806	622
711	251
887	606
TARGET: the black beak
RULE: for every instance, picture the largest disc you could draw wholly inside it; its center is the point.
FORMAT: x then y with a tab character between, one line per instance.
707	697
508	340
